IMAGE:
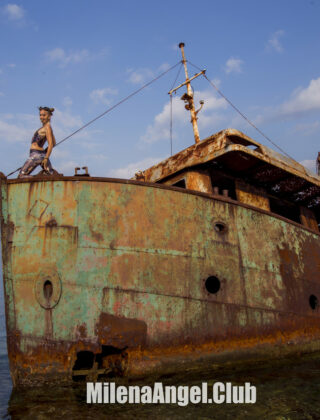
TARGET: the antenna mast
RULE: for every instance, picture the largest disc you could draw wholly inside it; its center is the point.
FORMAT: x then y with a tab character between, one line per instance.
188	97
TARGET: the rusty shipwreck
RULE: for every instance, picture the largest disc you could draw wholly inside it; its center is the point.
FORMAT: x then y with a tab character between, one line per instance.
211	255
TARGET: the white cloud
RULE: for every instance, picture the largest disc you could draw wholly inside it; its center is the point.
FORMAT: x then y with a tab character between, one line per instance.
13	132
273	43
14	12
62	58
233	65
216	82
56	54
160	129
164	67
211	101
67	101
143	75
31	119
66	119
309	164
303	100
103	95
93	145
208	116
61	153
20	127
66	167
1	94
66	159
307	128
140	76
7	116
64	123
132	168
12	65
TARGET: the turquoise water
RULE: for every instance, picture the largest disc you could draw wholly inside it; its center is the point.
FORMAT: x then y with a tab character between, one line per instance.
286	389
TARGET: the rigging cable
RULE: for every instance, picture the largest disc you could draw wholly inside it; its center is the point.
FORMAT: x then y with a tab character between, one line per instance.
171	114
111	108
171	123
242	115
178	74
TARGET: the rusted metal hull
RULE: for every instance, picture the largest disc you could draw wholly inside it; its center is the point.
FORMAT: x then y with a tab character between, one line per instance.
107	276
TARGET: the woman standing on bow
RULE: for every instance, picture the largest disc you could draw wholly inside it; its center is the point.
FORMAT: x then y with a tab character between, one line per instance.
38	155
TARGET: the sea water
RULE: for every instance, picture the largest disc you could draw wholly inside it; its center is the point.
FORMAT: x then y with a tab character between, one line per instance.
5	380
286	389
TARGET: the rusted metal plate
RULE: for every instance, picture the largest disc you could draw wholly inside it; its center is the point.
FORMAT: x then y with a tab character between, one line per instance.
252	195
308	218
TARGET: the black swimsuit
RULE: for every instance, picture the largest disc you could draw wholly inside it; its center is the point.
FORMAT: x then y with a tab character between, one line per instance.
38	140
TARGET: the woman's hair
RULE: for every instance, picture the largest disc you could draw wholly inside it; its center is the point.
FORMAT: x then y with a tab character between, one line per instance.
45	108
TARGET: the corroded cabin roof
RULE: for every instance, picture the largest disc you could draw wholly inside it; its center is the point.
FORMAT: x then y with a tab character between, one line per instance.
237	154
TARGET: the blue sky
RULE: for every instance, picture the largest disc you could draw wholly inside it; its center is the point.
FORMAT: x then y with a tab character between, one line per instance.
83	56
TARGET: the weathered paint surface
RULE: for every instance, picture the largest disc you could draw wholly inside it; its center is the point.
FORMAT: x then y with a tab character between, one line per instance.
128	264
194	180
252	195
308	218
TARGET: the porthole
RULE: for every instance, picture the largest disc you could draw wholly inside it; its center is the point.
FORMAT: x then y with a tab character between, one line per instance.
313	302
220	227
212	284
47	288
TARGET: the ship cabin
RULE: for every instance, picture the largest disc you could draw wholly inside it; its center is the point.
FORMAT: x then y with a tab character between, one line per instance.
231	166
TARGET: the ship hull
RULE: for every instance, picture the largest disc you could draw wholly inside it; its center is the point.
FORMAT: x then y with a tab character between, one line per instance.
109	277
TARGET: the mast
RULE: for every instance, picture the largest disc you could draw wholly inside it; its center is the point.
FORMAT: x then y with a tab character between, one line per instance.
188	97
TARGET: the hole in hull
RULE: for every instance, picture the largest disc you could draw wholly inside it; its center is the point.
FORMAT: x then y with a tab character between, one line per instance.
220	227
212	284
111	362
47	289
313	302
84	360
